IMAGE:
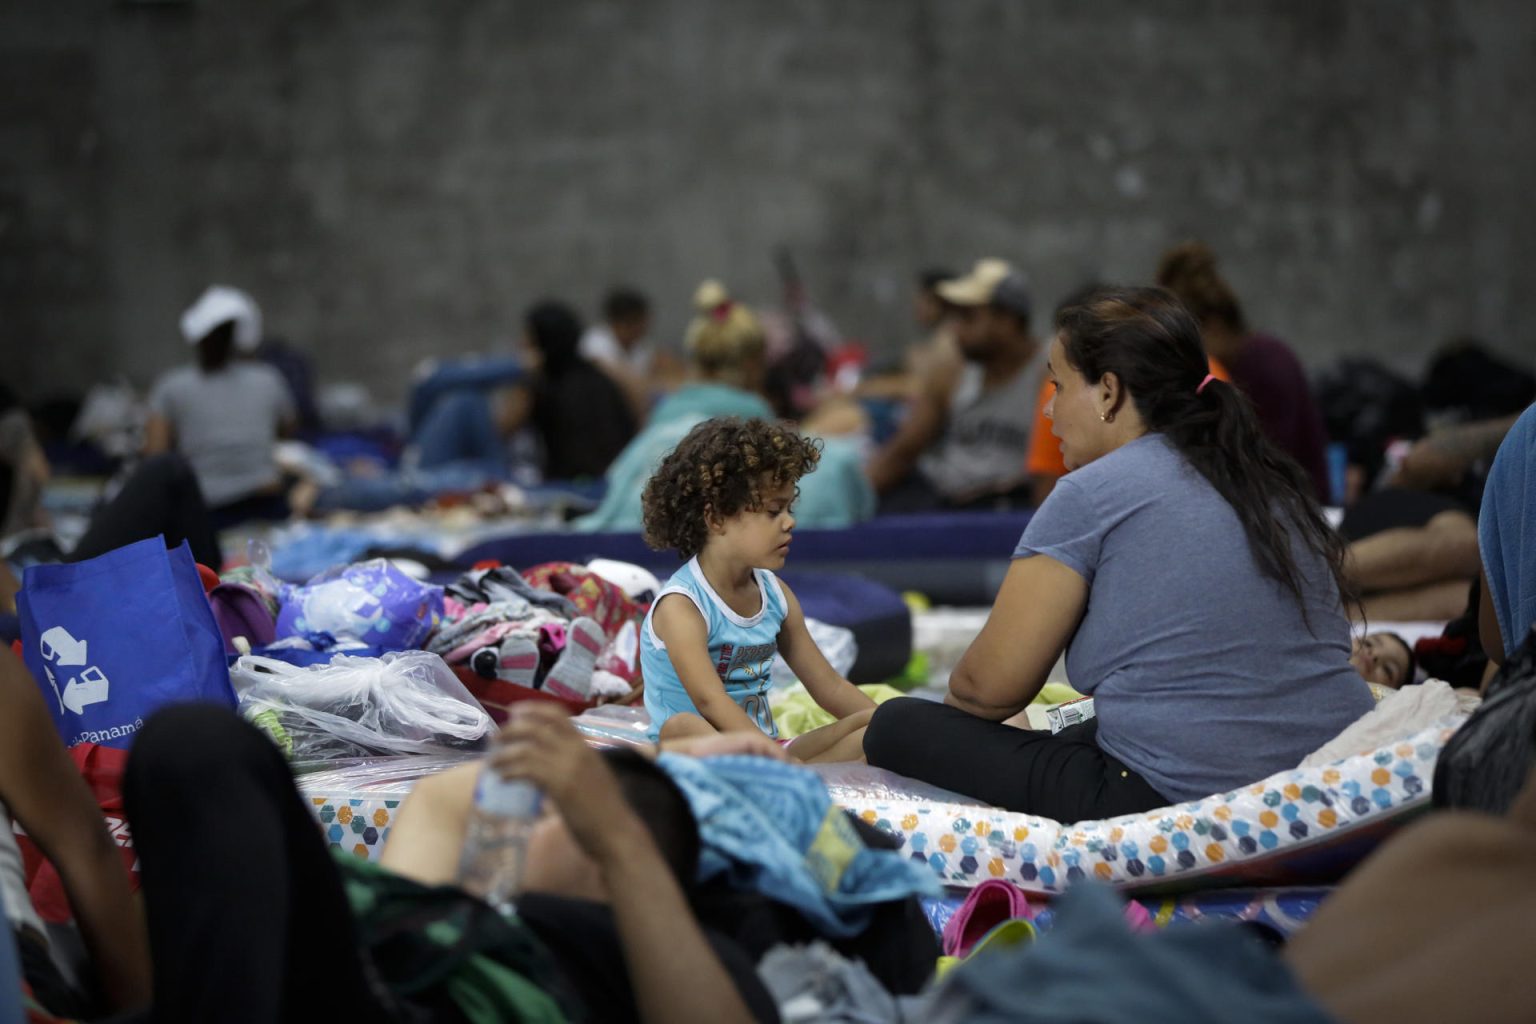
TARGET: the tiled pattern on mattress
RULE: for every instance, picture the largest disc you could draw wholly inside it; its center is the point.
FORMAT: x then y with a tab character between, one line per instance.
356	803
1294	827
357	825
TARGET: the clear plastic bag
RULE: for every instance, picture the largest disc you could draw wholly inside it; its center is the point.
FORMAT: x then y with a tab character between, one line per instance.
400	703
852	783
837	644
610	725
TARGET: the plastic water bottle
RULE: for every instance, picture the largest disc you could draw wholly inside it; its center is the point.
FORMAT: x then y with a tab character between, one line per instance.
496	840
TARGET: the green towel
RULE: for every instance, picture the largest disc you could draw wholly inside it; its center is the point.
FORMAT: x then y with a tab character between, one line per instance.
796	714
438	939
1055	693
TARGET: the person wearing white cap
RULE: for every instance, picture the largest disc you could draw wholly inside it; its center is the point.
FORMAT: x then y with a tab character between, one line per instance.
226	413
966	438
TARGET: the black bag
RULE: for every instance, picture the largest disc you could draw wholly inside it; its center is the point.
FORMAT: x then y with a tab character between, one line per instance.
1365	405
1466	382
1487	760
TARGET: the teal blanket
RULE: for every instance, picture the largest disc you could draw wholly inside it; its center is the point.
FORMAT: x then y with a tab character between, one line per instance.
836	495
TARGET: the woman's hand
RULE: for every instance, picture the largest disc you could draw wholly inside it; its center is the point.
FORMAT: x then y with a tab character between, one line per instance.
540	745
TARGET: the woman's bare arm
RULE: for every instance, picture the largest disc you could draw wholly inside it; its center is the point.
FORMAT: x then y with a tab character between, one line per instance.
44	792
1036	612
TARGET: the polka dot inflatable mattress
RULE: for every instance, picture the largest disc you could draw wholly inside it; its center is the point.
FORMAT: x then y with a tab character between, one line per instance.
1304	826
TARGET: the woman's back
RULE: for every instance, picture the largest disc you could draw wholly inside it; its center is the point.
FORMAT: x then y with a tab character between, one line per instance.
584	420
226	422
1206	676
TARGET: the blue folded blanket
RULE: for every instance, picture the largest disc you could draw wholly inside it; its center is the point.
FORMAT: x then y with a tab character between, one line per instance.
1506	531
772	828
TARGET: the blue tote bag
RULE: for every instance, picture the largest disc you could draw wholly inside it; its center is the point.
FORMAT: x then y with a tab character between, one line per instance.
111	639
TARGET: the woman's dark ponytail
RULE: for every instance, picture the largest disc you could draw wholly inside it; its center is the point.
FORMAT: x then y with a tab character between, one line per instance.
1151	343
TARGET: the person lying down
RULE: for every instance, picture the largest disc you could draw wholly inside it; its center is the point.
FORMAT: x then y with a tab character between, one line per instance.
1383	658
607	871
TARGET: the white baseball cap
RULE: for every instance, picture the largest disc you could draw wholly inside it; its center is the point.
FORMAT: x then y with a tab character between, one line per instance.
990	283
221	304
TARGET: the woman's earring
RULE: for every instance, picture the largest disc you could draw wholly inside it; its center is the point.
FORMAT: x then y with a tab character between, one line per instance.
1105	417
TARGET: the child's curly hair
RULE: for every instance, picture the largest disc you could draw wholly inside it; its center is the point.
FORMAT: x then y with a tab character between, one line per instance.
721	465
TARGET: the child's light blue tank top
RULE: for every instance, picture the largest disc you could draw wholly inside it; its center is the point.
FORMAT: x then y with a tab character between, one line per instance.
742	649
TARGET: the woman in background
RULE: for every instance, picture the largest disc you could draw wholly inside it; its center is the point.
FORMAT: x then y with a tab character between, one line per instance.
1262	366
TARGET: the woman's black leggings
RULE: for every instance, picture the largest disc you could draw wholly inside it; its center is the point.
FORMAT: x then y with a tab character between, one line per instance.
160	496
1063	776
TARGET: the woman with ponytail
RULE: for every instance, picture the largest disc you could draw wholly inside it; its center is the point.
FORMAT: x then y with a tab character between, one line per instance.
1184	568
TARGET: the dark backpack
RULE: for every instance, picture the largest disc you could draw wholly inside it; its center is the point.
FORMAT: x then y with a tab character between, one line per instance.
1487	760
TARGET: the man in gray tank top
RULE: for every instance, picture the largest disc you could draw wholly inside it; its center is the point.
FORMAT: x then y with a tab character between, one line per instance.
966	438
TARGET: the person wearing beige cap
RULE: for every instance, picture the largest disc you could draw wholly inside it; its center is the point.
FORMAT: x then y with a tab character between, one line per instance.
226	413
966	439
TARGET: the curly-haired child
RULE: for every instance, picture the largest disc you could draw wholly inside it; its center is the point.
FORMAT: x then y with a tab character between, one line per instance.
723	500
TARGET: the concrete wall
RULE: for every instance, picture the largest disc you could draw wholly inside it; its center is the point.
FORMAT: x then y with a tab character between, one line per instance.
396	179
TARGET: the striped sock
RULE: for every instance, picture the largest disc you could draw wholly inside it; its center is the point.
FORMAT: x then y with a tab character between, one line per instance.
518	661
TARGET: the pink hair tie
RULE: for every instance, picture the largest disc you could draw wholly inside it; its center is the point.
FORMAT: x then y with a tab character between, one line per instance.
1208	378
721	313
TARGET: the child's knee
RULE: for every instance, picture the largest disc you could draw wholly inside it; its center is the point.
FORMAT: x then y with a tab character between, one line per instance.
683	725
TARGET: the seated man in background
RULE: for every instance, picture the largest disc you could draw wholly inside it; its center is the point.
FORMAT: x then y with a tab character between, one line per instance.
1441	460
968	432
933	351
1411	556
619	347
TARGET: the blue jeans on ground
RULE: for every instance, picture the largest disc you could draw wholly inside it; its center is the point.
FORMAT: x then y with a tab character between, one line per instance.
458	429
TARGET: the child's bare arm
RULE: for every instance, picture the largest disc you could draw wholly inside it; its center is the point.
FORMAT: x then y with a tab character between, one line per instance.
680	626
828	689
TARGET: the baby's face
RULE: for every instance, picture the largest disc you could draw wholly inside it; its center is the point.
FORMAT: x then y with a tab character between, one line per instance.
1381	658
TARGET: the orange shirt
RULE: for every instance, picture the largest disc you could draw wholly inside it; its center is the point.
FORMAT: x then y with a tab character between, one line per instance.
1045	449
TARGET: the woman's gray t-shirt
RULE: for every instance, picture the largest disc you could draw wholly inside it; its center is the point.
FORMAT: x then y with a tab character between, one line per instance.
1205	677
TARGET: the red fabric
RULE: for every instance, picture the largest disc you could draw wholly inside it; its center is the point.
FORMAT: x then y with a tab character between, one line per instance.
600	600
102	769
593	596
497	695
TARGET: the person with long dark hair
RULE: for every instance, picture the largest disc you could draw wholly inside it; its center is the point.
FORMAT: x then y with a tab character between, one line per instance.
581	414
1186	570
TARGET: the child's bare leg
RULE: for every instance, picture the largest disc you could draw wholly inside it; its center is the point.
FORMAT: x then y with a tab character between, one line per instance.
849	748
684	725
816	744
